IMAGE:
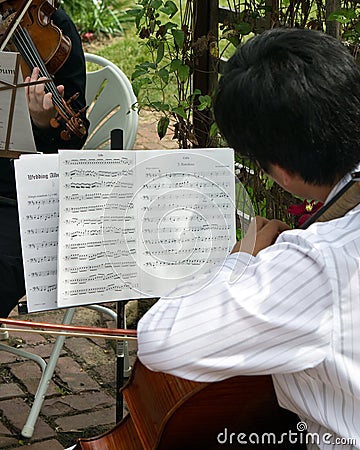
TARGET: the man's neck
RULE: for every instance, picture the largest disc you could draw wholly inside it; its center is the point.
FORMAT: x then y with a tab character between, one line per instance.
321	193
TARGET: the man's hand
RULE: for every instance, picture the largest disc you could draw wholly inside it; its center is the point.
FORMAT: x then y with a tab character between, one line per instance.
261	234
41	107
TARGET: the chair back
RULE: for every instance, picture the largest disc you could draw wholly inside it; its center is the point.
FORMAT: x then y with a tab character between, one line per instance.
111	103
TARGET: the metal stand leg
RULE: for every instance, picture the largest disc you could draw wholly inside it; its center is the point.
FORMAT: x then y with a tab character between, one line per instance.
120	360
4	335
29	426
123	368
24	354
125	345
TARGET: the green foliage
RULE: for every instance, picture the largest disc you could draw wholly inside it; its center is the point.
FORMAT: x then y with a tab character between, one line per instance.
253	17
165	30
349	19
97	16
161	62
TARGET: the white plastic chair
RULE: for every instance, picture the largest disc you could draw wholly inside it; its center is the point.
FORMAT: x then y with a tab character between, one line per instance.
111	105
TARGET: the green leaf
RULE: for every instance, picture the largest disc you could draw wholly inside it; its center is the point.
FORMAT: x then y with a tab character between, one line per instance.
243	28
164	75
183	72
175	64
159	106
180	112
160	52
170	9
162	126
156	4
204	102
214	130
138	73
135	12
269	182
136	88
179	37
343	15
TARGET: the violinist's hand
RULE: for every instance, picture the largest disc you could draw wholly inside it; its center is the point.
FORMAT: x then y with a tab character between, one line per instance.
40	103
261	234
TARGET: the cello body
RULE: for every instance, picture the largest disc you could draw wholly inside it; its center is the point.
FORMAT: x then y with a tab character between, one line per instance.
170	413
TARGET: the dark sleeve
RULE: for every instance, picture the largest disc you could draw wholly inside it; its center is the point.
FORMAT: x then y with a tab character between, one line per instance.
73	76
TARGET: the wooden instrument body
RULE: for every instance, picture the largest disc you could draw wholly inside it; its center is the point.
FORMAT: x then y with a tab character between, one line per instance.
52	45
167	412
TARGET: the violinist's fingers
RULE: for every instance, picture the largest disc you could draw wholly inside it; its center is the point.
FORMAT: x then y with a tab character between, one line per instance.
31	89
40	88
40	103
47	102
27	80
61	89
34	75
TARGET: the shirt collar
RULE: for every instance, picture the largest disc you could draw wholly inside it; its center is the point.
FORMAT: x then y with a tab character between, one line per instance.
340	185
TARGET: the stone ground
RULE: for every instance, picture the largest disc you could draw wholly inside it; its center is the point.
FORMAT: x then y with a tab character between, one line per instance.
81	398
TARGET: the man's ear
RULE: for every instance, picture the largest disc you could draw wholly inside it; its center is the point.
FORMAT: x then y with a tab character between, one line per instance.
282	176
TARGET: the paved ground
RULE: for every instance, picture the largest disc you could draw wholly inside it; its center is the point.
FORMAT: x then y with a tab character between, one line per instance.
81	398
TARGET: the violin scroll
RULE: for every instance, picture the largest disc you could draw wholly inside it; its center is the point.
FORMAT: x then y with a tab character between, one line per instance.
74	124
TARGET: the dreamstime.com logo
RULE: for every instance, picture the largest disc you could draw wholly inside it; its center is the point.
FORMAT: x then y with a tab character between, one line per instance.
300	436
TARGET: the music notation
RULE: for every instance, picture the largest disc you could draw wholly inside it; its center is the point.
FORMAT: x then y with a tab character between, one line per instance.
140	215
38	199
108	225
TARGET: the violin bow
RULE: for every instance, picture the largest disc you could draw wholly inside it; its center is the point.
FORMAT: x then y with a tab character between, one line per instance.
8	85
345	200
68	330
10	31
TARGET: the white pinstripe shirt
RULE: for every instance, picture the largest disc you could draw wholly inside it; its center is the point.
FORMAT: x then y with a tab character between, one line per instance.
294	312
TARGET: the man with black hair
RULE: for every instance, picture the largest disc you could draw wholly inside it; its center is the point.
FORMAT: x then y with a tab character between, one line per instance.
290	100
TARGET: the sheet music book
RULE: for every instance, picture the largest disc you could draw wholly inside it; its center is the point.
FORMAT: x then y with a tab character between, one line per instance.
37	183
130	224
15	126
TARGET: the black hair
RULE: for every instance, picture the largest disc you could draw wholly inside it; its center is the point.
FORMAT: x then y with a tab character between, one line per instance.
292	97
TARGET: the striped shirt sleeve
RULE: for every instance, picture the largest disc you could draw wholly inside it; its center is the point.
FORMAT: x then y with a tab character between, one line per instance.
273	317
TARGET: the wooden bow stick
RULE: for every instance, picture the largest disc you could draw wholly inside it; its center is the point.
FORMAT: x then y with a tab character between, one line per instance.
69	330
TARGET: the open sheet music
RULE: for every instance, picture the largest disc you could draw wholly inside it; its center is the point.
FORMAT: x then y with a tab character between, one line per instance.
37	182
15	126
131	224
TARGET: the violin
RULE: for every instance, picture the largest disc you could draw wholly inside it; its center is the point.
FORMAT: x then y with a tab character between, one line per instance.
41	44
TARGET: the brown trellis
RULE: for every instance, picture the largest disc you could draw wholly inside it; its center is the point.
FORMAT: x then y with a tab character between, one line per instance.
209	15
210	20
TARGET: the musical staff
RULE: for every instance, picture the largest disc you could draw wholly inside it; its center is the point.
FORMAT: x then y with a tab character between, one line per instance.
112	225
38	199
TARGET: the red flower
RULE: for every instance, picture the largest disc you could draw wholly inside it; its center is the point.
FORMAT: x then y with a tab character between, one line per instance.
88	36
304	210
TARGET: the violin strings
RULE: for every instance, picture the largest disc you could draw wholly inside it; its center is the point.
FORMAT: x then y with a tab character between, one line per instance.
24	42
30	53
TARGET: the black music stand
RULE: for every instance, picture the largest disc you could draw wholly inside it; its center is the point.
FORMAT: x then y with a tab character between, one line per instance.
14	116
117	143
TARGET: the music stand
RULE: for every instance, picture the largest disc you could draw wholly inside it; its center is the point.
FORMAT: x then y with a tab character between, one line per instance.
16	136
117	143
